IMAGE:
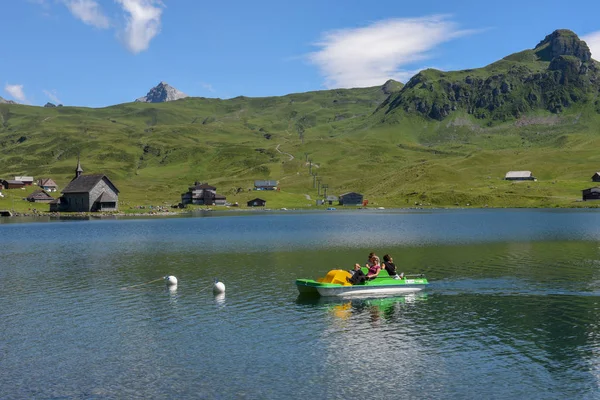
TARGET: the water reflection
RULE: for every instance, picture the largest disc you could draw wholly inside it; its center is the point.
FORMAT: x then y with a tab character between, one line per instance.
172	290
377	307
220	299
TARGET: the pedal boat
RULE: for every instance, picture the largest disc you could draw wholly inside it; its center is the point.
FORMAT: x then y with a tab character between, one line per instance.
336	284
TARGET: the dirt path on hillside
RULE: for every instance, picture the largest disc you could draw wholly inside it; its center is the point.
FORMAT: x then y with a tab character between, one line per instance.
282	152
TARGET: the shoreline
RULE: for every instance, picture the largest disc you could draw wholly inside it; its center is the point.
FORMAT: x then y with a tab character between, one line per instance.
190	213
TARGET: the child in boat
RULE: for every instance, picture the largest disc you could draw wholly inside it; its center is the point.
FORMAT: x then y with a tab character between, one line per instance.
390	267
374	269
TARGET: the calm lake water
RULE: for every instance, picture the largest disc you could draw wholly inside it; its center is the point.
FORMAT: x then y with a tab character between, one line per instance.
512	310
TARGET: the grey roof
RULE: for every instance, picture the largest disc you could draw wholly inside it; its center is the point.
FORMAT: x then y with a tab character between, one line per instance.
349	193
85	183
518	174
203	186
39	195
106	197
47	182
265	183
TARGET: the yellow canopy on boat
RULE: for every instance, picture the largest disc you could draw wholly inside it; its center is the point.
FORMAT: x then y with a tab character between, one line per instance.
338	276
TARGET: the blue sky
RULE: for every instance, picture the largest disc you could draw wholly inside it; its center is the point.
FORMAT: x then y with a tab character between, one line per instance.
97	53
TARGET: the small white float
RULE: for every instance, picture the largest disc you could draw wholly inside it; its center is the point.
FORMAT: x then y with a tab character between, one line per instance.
170	280
218	287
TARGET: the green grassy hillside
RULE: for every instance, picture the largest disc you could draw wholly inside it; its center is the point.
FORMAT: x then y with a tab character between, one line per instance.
444	139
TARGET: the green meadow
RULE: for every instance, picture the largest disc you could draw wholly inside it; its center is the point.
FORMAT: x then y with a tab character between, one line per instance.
154	152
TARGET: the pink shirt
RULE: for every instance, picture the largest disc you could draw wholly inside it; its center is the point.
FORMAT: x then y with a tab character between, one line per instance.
373	269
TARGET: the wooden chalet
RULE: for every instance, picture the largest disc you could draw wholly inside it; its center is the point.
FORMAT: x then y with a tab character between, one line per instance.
257	203
203	194
596	177
87	193
591	194
265	185
48	185
351	199
12	184
27	180
40	196
519	176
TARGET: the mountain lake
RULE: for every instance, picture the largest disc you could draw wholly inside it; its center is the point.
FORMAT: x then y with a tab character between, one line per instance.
512	309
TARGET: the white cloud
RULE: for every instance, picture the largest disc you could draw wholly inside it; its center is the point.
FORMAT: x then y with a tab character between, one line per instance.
16	91
52	95
207	86
88	11
371	55
143	23
593	42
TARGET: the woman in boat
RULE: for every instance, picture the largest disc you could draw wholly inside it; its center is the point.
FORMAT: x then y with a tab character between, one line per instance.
374	269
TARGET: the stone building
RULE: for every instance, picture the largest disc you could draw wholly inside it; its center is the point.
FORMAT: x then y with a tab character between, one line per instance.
87	193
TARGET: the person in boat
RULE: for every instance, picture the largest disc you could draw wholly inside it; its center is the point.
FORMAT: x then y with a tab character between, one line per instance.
357	275
370	262
390	267
374	269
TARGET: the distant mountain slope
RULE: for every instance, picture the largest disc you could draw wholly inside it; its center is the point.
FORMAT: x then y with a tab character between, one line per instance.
558	73
161	93
204	137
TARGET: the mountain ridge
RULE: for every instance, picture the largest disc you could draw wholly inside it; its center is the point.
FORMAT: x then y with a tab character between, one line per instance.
557	73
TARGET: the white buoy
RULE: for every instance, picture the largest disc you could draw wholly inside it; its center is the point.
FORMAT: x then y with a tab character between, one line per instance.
170	280
218	287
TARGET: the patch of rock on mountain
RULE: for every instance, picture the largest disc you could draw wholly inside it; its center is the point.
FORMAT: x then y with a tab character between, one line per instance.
546	120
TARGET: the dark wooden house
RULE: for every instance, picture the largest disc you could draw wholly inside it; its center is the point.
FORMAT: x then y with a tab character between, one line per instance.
87	193
203	194
351	199
591	194
12	184
257	202
596	177
27	180
40	196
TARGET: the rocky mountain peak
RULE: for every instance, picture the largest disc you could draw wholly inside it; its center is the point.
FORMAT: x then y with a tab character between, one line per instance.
562	42
161	93
4	101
